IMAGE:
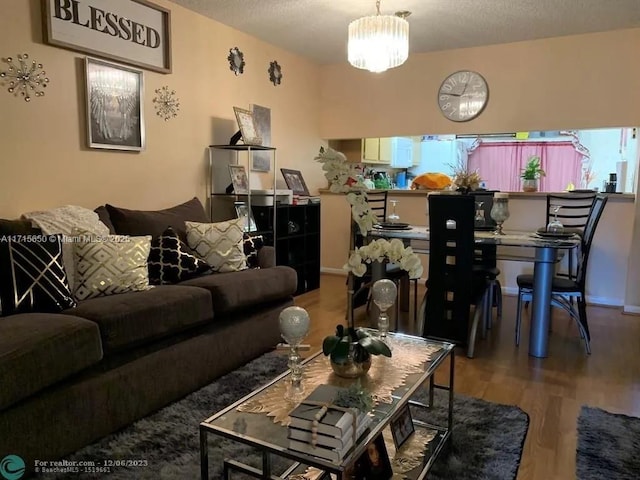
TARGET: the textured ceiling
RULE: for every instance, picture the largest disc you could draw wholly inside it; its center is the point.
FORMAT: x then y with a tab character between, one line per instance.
317	29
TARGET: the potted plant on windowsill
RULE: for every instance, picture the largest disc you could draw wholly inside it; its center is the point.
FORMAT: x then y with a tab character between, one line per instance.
531	173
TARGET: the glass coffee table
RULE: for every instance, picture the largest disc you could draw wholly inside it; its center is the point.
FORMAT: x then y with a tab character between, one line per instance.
260	419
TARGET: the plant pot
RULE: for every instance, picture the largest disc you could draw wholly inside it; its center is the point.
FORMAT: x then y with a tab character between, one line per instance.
350	367
529	185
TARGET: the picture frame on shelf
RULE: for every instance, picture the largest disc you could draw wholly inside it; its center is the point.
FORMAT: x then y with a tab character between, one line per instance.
261	160
295	181
402	427
374	463
247	126
115	117
243	211
239	179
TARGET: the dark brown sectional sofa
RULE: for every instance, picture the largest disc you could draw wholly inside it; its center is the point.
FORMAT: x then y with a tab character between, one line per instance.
70	378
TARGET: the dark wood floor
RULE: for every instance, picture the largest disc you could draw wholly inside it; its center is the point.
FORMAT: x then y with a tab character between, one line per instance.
550	390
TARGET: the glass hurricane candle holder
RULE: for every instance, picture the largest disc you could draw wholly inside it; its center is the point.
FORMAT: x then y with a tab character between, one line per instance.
294	327
500	211
384	293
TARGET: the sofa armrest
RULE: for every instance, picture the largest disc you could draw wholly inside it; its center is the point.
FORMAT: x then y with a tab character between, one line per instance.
266	257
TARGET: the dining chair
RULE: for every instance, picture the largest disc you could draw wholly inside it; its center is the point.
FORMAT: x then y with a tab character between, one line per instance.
574	212
565	288
453	286
485	260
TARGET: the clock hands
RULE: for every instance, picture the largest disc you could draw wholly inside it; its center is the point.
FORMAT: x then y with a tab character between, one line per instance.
461	93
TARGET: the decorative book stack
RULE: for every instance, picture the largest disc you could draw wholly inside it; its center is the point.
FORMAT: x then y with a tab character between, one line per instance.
320	428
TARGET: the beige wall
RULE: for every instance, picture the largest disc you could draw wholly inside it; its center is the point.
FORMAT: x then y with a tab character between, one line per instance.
581	81
44	162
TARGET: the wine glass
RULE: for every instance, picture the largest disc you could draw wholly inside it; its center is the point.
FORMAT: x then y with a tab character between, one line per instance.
499	213
384	293
294	327
479	219
393	217
555	225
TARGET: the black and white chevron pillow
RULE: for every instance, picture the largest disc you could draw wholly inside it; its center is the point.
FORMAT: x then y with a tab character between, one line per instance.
32	276
171	260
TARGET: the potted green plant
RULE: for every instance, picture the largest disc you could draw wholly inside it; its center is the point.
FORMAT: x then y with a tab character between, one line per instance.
350	350
531	173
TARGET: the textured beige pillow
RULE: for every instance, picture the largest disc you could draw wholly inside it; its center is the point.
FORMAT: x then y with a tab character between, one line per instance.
110	264
218	244
64	220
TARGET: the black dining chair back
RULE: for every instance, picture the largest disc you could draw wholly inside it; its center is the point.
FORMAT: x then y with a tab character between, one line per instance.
377	201
452	286
587	238
574	211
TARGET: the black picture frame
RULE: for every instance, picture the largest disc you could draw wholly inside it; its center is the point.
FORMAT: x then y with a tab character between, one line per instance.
374	463
402	426
295	182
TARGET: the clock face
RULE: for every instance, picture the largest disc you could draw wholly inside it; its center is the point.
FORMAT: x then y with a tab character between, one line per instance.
463	95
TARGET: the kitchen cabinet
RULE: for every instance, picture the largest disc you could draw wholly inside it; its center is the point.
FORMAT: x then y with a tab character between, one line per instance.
396	152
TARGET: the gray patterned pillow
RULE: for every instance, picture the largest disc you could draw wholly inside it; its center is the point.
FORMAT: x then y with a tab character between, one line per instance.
110	264
218	244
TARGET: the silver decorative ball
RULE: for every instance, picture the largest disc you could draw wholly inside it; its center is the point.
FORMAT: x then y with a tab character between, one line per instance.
294	324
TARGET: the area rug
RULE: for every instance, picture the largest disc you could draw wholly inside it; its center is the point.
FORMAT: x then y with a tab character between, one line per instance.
487	438
608	445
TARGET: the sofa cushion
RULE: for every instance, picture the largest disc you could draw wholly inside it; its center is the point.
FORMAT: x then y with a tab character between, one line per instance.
136	318
103	215
17	227
113	264
144	222
241	290
40	349
251	245
32	276
172	261
64	220
218	244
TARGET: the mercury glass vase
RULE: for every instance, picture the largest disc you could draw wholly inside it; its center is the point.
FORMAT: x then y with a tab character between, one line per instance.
294	327
384	293
500	212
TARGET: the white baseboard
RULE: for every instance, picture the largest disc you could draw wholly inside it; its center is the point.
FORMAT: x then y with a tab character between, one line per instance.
333	271
634	309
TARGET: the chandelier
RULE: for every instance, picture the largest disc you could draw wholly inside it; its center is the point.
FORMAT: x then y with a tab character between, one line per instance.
379	42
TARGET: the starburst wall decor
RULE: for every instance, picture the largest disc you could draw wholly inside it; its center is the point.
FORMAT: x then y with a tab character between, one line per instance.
166	103
24	78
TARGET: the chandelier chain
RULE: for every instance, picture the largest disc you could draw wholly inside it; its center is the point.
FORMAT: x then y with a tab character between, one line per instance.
378	7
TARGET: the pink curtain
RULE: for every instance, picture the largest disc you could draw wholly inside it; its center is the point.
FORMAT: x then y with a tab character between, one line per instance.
500	164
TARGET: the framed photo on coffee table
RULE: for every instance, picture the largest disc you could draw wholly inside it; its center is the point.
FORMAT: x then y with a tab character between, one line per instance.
374	463
402	427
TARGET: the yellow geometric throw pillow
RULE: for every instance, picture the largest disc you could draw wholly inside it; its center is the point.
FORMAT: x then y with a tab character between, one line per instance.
109	264
218	244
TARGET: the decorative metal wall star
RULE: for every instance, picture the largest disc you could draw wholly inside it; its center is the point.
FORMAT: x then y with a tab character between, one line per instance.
166	103
24	78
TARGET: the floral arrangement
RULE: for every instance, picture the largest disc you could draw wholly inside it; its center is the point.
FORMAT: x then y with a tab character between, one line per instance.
380	250
342	178
463	179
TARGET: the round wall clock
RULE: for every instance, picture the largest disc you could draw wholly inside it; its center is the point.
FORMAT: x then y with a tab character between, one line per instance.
463	95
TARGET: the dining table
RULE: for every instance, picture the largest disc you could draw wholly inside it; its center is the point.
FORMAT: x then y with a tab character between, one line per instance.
542	249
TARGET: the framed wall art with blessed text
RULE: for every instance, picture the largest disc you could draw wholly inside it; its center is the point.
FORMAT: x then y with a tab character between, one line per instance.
135	32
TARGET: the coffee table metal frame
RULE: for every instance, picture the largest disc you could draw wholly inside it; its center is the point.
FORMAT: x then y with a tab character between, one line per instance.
383	414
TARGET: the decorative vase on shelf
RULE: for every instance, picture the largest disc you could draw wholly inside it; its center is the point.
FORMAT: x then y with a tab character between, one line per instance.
530	185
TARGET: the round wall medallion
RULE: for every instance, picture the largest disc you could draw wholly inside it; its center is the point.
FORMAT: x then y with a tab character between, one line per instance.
275	73
236	61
